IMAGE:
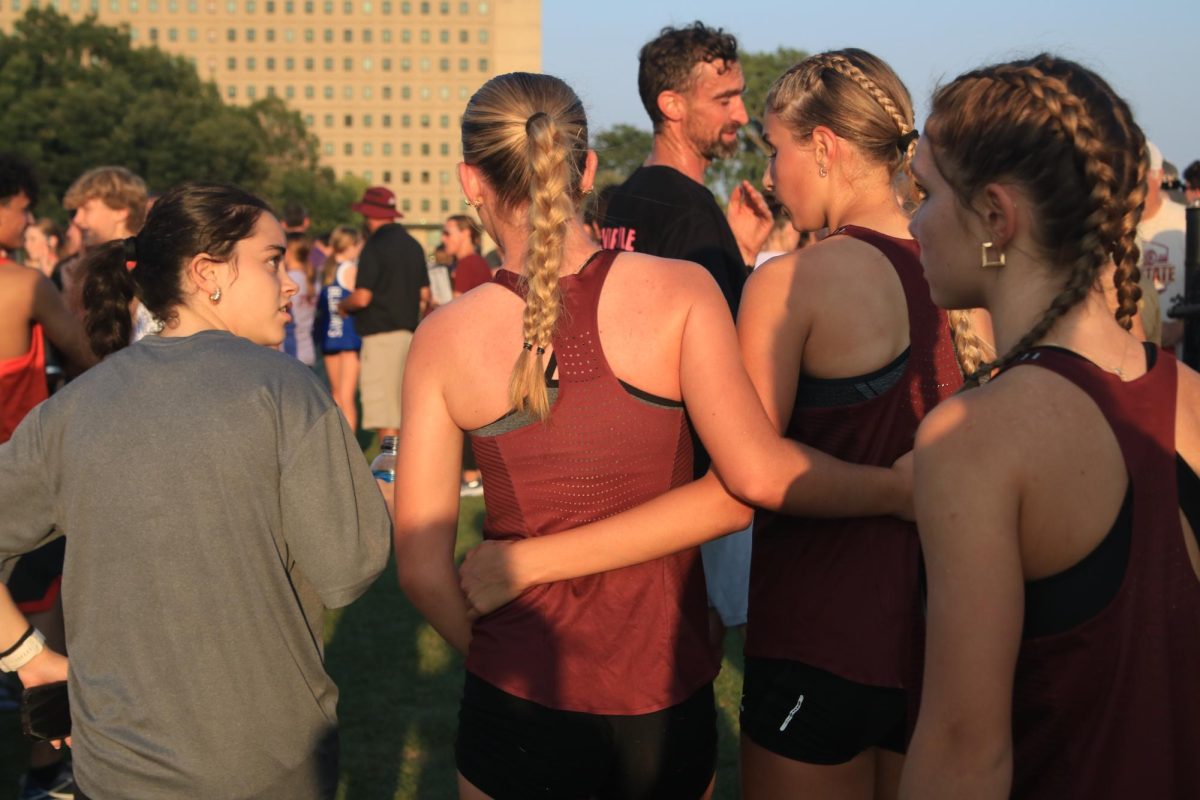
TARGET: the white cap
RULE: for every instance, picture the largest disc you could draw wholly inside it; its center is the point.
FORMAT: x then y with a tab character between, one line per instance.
1156	158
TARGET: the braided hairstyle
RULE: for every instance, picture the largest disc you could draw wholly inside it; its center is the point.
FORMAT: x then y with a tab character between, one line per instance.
857	96
1062	133
528	135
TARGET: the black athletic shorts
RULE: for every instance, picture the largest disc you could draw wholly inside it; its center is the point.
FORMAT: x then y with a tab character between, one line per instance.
810	715
513	749
35	580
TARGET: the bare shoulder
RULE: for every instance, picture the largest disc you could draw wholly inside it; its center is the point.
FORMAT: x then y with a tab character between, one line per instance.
14	275
646	280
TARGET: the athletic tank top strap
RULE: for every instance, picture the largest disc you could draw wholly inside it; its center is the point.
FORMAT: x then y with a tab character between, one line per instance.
576	339
905	258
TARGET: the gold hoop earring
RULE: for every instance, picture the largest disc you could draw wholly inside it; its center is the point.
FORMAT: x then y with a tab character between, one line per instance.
215	297
990	255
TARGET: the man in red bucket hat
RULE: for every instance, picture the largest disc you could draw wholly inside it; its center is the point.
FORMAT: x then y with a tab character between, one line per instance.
389	298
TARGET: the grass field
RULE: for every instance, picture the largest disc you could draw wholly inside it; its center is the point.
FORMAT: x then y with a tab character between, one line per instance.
400	686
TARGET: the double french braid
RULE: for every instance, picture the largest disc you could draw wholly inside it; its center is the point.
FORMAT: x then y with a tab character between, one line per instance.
1060	131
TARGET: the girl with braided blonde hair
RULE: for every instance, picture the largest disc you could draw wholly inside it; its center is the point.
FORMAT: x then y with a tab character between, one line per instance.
1058	503
569	371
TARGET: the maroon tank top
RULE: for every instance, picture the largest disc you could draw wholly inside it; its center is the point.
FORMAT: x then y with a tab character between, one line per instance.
630	641
1111	707
842	594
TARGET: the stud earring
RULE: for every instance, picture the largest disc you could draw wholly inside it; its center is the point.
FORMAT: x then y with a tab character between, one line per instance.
822	171
215	297
990	255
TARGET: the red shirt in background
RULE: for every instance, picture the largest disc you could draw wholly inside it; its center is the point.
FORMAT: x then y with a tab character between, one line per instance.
469	272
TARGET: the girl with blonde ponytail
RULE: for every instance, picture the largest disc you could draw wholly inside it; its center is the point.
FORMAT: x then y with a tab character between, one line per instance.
596	686
1058	502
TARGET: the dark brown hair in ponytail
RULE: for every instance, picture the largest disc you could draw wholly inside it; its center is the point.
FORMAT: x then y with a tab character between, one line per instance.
1062	133
190	219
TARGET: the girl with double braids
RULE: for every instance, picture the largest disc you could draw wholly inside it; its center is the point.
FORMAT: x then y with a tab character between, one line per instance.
597	686
215	502
1057	503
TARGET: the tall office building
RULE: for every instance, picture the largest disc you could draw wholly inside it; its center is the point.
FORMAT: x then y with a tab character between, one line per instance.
381	82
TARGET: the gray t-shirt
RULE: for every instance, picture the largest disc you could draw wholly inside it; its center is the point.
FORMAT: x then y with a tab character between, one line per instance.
214	503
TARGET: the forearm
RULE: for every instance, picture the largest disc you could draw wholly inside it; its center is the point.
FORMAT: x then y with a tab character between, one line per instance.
947	770
677	520
805	482
13	623
435	594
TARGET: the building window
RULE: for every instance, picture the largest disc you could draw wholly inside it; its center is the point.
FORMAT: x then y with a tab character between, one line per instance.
328	91
367	7
386	7
406	92
444	148
172	35
289	35
387	66
424	120
367	119
348	149
309	63
445	205
290	92
483	65
231	92
483	36
368	92
425	64
348	64
250	6
289	64
387	174
250	63
231	8
192	35
250	34
424	148
347	92
367	149
231	35
405	177
464	37
444	7
310	91
405	121
133	34
386	120
367	64
387	148
327	63
483	9
387	91
329	148
309	34
309	121
270	91
328	6
348	7
464	93
366	35
406	7
425	37
133	6
231	63
348	120
464	8
425	93
444	64
328	120
444	120
405	64
251	92
308	6
406	35
152	6
425	204
270	63
424	8
153	32
269	34
405	149
406	205
443	177
347	36
464	64
444	36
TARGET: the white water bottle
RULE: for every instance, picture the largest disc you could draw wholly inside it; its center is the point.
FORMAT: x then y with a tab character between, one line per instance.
384	467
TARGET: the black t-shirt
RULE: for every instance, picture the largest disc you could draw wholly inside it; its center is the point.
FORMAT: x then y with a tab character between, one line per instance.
392	266
662	212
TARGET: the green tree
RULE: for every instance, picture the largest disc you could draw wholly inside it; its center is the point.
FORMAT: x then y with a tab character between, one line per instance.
761	70
326	197
621	149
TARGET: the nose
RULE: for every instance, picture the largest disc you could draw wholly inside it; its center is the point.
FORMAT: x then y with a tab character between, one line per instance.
768	182
738	112
289	286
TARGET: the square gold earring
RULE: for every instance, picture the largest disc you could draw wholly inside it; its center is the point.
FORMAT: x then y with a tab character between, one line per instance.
990	255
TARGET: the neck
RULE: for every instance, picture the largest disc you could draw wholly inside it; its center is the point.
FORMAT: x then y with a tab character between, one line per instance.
194	315
578	247
672	149
868	203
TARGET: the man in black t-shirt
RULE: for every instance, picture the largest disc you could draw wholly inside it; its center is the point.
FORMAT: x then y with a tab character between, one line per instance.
390	296
691	85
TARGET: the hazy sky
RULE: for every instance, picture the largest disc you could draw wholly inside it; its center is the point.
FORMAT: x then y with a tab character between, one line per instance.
1141	48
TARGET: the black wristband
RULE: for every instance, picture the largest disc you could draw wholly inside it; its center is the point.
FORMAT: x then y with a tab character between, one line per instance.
20	642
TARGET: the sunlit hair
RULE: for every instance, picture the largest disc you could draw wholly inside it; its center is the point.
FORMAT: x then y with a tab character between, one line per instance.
465	223
528	135
116	187
857	96
1060	132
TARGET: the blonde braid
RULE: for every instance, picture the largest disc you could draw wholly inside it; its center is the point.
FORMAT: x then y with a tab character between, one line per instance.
1068	114
551	209
968	346
844	67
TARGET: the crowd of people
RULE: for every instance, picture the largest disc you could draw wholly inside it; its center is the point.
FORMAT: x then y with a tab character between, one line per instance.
925	444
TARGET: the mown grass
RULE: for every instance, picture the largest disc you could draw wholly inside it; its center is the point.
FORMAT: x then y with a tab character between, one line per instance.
400	686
